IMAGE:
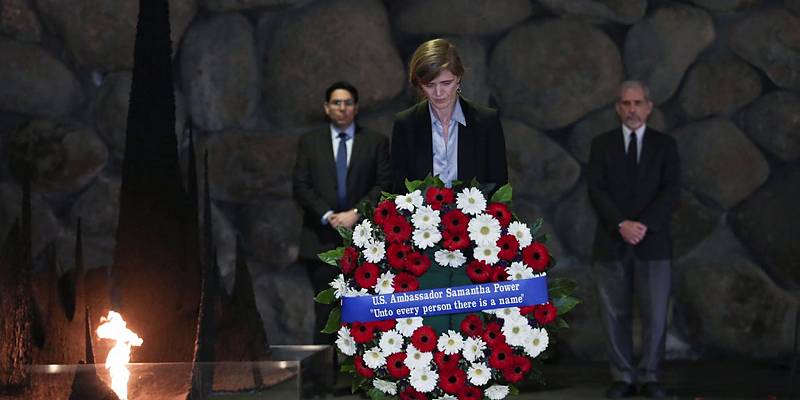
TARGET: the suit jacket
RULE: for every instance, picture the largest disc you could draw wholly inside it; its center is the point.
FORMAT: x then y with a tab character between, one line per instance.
649	200
481	145
314	182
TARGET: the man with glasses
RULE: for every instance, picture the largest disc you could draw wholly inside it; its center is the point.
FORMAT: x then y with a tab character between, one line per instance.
338	167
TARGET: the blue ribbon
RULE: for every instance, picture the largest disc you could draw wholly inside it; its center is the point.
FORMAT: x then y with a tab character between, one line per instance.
452	300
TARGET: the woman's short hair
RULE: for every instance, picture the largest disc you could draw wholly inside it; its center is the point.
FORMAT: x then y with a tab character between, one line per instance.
430	59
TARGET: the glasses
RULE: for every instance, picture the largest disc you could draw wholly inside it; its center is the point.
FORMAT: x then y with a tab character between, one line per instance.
340	103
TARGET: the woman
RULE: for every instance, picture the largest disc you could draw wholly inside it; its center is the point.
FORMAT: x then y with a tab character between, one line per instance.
445	134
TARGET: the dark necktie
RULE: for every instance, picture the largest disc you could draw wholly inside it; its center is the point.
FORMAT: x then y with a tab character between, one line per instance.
631	156
341	172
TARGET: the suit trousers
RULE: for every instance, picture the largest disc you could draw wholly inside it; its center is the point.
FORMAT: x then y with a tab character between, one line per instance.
617	283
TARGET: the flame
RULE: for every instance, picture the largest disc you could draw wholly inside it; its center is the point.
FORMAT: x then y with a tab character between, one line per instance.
114	327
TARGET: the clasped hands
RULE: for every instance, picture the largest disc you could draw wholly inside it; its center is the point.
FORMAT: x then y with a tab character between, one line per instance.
346	219
632	232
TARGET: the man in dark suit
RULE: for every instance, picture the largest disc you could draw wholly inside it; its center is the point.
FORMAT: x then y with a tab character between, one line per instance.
337	168
634	181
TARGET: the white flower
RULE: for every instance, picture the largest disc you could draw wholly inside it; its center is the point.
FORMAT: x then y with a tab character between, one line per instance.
516	331
447	258
521	232
407	326
352	292
409	201
471	201
385	283
391	342
417	359
473	348
479	374
450	342
518	270
424	379
375	251
487	254
339	284
385	386
496	392
508	313
345	342
484	230
425	217
373	358
362	234
537	342
447	397
428	237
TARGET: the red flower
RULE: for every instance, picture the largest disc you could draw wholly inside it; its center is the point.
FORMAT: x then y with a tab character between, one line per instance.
545	313
479	272
362	332
536	256
412	394
437	197
525	310
472	325
362	368
383	211
367	275
446	361
515	372
396	366
417	263
502	356
493	336
424	338
470	392
397	229
499	274
455	240
509	246
385	325
397	255
452	380
349	260
455	221
501	212
405	282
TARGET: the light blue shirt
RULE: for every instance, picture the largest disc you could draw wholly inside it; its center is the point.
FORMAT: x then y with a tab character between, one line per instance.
445	155
351	134
626	132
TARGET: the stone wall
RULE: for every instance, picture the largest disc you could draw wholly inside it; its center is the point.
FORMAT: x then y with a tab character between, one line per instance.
250	75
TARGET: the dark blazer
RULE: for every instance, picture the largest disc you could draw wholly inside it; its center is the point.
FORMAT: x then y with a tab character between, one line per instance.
481	145
314	182
650	200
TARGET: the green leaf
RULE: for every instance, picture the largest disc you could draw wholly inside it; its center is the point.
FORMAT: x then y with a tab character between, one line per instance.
346	234
388	196
376	394
347	367
565	304
365	210
413	185
513	390
332	257
326	296
536	225
560	287
559	324
334	321
503	195
358	381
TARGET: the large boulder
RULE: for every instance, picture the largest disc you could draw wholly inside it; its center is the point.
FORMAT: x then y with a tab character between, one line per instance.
718	86
692	222
538	166
681	33
249	166
59	156
33	82
44	223
111	111
550	73
770	40
793	6
19	20
726	5
338	44
100	33
709	173
602	121
576	220
285	299
473	53
272	232
772	122
714	298
465	17
767	223
227	5
219	71
624	11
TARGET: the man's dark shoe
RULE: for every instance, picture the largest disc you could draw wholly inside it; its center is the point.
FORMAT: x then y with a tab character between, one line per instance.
619	390
653	390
